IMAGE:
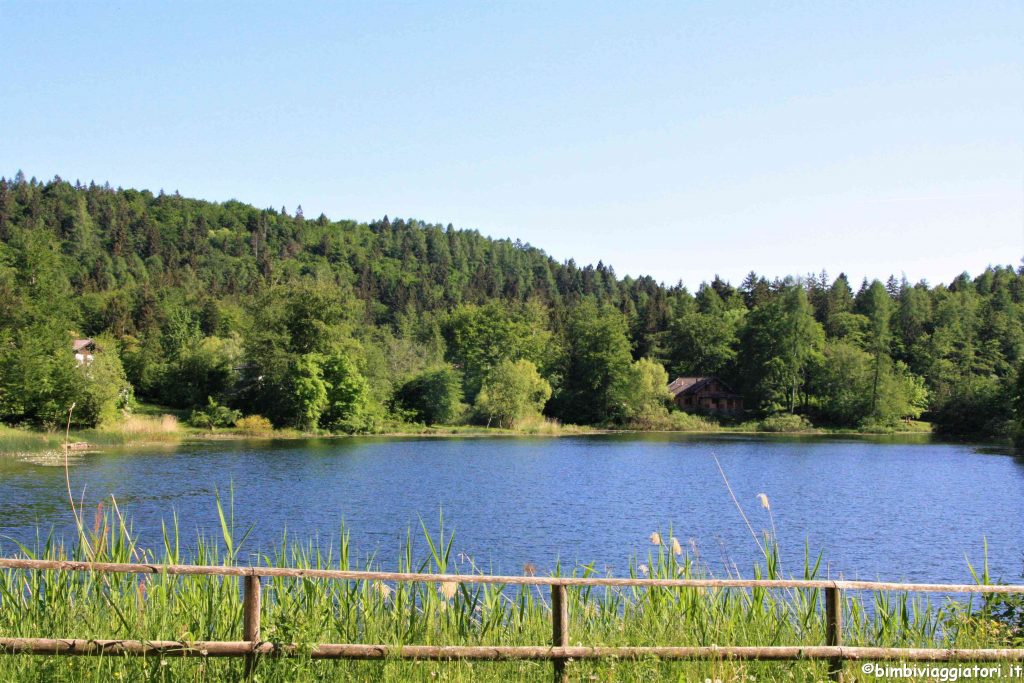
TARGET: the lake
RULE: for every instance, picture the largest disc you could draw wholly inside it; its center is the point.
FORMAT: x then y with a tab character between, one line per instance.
877	508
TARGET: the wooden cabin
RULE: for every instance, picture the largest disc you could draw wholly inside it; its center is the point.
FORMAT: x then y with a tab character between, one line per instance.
84	350
705	395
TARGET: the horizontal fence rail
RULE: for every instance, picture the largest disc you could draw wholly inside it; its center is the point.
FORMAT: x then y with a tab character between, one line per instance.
559	652
207	570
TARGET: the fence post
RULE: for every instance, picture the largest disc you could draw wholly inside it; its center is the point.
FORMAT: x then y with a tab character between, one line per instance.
834	630
251	618
560	628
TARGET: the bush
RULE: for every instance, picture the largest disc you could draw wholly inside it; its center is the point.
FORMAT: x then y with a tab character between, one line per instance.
676	421
784	422
432	397
254	424
688	422
214	415
979	406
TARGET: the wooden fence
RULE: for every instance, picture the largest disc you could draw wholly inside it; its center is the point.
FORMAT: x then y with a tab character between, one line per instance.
559	652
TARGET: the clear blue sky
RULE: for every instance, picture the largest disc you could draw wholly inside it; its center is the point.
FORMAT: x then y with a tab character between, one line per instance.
678	140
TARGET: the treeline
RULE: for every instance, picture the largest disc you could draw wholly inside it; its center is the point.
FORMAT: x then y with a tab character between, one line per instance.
344	326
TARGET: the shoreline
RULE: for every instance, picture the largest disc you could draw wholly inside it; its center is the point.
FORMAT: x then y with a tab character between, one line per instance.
17	440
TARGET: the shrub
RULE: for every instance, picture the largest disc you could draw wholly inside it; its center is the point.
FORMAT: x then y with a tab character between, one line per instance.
254	424
784	422
688	422
676	421
432	397
214	415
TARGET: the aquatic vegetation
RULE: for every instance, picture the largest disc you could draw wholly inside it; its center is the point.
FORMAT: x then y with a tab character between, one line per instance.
309	610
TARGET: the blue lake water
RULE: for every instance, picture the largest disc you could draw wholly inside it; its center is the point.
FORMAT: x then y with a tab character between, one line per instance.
876	508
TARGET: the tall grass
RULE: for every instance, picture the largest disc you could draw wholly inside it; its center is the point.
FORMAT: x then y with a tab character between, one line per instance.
132	429
150	426
540	425
307	611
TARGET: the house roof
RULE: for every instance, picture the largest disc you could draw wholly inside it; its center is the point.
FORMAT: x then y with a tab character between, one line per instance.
688	385
79	344
683	384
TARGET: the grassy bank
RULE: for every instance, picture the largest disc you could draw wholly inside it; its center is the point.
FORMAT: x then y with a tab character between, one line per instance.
151	424
678	421
306	611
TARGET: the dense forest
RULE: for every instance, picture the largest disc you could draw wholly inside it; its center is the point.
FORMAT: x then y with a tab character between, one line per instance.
227	310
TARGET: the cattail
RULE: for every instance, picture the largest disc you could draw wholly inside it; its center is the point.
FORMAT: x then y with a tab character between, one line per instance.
656	538
448	589
764	501
676	548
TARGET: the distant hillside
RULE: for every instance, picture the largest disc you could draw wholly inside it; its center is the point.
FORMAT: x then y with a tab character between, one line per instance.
113	237
224	301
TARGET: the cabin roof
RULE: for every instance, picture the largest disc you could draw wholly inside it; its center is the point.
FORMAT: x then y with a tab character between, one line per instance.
79	344
689	385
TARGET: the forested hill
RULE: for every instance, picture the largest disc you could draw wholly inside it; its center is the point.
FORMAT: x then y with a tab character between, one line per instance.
350	326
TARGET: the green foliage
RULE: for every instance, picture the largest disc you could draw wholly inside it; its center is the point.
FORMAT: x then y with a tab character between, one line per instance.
256	425
877	306
977	406
784	422
306	391
851	387
103	391
781	341
598	368
40	380
312	610
348	397
842	383
206	367
479	338
688	422
432	397
899	394
214	415
849	327
253	307
645	396
702	344
512	391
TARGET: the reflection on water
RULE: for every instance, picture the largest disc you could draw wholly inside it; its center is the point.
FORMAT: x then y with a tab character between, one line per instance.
877	508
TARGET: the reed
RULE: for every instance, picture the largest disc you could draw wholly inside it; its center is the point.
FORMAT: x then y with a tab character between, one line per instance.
148	426
306	611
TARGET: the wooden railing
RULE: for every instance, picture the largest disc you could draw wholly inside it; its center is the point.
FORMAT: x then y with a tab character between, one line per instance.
559	652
